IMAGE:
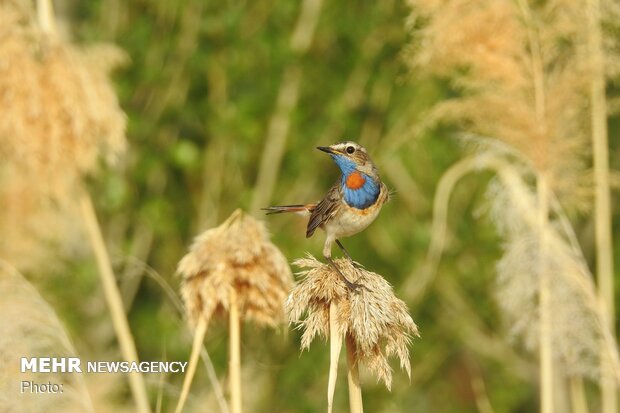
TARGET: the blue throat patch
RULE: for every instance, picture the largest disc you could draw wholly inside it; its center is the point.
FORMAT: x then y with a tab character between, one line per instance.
360	198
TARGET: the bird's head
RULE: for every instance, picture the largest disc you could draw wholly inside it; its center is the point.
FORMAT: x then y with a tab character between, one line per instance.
351	157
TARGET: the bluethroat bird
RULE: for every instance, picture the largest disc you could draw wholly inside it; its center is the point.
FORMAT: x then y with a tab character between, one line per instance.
351	204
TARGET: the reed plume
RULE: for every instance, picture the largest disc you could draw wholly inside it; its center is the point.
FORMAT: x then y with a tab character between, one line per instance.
518	80
232	270
579	325
29	327
373	322
61	113
520	71
60	116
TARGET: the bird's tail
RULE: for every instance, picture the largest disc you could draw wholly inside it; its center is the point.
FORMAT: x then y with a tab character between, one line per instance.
298	209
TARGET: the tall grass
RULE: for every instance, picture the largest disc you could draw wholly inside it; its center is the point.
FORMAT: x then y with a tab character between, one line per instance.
602	204
61	117
521	74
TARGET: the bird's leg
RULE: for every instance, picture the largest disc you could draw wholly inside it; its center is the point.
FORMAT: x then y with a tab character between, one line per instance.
327	253
350	285
346	253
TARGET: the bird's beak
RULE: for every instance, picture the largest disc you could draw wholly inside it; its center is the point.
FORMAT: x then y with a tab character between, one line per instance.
327	149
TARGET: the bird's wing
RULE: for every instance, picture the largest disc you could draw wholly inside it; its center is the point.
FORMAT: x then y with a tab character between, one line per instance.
325	209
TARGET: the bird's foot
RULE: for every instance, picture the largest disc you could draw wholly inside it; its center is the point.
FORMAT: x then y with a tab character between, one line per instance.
350	285
353	286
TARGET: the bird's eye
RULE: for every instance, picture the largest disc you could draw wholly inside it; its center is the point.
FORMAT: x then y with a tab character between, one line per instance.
350	149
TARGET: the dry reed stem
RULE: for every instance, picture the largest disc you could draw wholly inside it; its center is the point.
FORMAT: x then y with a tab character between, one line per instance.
234	354
376	320
602	204
544	300
115	303
199	335
578	317
45	16
578	400
335	345
353	377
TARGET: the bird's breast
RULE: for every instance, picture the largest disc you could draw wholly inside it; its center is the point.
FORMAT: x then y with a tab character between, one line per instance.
351	220
355	181
359	190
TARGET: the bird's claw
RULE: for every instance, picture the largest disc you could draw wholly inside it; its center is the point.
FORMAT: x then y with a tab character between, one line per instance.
352	286
355	287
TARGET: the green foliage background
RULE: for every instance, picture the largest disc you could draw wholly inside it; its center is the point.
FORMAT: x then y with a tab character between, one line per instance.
199	91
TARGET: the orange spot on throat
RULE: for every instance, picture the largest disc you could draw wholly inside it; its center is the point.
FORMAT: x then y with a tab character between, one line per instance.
355	180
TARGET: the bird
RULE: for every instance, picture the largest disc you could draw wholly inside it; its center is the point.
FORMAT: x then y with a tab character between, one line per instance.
351	204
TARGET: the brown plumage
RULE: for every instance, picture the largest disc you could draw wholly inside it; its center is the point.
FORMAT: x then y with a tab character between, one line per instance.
351	204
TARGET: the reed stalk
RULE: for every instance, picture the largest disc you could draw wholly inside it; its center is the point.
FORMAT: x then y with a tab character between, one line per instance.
602	204
543	193
45	17
353	377
234	364
578	400
114	301
199	335
544	297
335	345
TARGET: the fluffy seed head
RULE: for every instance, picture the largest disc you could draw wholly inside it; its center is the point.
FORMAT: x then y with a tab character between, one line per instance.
578	326
239	255
29	327
60	112
519	75
372	316
59	115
